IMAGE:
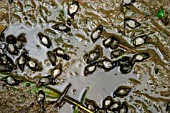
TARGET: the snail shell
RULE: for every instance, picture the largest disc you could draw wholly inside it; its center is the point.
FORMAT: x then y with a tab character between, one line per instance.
73	8
89	69
11	39
11	81
114	106
116	53
21	41
139	41
52	57
91	105
111	42
61	27
45	40
56	71
60	53
34	65
123	108
122	91
22	60
12	49
96	33
107	102
140	57
127	2
132	23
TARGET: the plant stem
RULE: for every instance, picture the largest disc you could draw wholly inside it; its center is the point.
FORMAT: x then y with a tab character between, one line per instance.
79	105
127	48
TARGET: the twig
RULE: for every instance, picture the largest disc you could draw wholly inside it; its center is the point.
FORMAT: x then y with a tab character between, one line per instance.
127	48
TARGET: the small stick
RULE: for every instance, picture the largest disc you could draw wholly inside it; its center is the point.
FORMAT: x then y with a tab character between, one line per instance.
127	48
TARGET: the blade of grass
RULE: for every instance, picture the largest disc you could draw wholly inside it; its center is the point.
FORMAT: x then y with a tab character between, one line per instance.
161	13
82	99
79	105
84	95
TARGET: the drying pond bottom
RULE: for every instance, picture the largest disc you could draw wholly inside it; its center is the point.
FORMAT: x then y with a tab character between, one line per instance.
64	56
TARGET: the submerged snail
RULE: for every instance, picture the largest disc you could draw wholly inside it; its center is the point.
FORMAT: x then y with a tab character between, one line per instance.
124	60
91	105
60	53
45	40
93	54
131	23
11	39
126	64
106	64
127	2
6	60
114	106
107	102
21	41
12	49
126	68
122	91
89	69
111	43
139	40
107	42
140	57
34	64
73	8
123	108
22	60
61	27
56	71
96	33
116	53
41	99
11	81
52	57
46	80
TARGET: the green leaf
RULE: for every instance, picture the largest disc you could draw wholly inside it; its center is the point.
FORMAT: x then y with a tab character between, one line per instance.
84	95
76	109
51	94
82	99
161	13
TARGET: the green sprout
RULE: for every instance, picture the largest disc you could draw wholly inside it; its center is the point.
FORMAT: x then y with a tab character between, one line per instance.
82	99
161	13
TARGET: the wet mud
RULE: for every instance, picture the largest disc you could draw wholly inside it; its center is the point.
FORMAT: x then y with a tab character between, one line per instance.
52	51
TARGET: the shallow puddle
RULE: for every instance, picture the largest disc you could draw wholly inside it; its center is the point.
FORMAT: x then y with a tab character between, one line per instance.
148	79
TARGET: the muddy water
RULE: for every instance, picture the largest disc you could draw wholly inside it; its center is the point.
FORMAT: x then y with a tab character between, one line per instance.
149	79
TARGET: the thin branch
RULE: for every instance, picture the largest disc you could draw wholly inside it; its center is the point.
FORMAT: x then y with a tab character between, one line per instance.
127	48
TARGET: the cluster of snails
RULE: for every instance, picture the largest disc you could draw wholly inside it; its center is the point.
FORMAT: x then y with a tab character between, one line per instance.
125	62
94	58
111	104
